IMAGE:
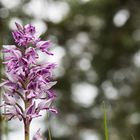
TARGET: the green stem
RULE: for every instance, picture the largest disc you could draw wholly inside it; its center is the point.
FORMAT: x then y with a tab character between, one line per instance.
105	122
26	123
27	131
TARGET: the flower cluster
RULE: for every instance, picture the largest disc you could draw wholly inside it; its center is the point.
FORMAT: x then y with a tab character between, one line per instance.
27	80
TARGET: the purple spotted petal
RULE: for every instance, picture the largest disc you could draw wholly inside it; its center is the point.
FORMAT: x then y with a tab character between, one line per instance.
44	46
19	27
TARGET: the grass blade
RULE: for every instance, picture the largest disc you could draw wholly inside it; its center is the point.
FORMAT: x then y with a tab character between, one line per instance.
105	122
49	133
133	138
49	130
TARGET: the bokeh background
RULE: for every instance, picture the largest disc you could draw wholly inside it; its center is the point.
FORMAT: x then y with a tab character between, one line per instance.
97	48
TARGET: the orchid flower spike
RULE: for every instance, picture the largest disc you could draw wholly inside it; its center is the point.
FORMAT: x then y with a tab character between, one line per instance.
26	80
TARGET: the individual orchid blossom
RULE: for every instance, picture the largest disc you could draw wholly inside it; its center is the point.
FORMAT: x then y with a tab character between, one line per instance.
26	80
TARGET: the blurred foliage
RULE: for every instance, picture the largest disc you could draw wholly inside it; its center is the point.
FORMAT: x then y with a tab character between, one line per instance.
106	35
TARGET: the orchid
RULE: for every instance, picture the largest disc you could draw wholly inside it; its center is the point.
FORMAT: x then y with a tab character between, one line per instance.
26	80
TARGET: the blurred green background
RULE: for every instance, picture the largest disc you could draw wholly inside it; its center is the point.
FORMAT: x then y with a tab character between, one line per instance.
97	46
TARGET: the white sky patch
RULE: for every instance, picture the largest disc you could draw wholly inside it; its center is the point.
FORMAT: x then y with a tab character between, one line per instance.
84	64
10	3
77	45
134	118
18	128
12	23
56	11
75	48
59	72
84	1
91	75
40	27
60	129
136	59
42	9
57	58
109	90
121	17
95	22
35	8
83	38
88	135
58	52
84	94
